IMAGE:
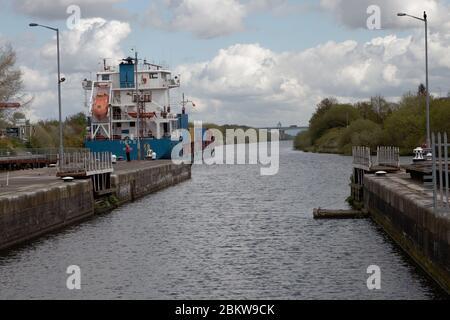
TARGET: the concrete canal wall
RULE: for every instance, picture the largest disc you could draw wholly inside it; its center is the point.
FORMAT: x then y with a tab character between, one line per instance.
30	214
403	210
134	184
27	212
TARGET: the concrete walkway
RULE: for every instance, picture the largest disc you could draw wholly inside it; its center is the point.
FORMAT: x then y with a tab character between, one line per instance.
31	180
409	188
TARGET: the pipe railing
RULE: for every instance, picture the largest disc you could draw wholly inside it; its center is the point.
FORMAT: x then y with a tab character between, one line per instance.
362	157
49	152
86	163
386	157
440	173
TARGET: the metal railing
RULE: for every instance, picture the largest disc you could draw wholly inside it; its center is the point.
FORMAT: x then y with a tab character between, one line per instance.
362	157
387	157
50	152
85	163
440	178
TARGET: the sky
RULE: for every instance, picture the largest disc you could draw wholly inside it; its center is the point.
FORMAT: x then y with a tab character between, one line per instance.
252	62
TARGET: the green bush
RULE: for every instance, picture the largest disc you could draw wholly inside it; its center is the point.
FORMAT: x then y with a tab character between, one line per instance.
337	127
360	133
338	116
329	142
303	141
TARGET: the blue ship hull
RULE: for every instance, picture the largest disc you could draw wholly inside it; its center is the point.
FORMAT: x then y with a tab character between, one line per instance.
162	147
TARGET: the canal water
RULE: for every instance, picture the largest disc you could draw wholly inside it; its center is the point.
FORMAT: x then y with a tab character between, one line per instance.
228	233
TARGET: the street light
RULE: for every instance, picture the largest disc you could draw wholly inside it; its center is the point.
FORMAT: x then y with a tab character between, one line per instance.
60	80
425	20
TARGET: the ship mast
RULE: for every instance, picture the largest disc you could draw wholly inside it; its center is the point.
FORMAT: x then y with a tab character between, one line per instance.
137	105
185	102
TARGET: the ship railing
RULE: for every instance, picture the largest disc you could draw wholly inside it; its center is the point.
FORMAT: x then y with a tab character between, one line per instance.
85	164
173	83
121	116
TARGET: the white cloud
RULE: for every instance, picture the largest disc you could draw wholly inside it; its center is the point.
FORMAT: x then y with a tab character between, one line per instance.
353	13
34	80
204	18
56	9
81	52
209	18
83	47
246	83
250	84
272	5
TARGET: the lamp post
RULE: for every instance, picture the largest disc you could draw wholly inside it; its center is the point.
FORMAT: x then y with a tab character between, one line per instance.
425	20
60	80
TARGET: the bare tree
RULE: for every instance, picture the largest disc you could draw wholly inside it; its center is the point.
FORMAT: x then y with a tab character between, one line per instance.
421	91
11	84
10	77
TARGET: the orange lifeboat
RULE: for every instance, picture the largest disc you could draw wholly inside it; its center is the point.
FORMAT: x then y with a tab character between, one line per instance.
100	107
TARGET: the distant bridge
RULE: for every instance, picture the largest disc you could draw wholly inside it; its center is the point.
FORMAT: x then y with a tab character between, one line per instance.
287	131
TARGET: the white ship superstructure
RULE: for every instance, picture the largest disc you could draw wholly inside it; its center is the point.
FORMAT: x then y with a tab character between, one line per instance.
130	105
114	112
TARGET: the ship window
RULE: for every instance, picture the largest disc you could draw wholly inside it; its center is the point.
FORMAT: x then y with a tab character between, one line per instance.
105	77
153	76
119	125
143	98
132	124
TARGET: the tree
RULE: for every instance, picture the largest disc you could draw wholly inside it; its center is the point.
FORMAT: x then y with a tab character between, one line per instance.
381	107
361	132
329	117
421	91
366	111
10	78
10	82
324	106
405	127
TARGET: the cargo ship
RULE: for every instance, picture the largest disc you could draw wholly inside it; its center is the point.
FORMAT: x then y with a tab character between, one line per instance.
129	104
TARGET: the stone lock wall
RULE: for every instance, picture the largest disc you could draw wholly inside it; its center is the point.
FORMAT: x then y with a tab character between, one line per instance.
28	215
133	185
413	225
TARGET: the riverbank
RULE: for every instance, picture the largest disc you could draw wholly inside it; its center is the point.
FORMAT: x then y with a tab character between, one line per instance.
36	202
336	127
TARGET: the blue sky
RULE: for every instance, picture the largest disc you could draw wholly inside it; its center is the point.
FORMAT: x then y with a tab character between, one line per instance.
279	32
294	35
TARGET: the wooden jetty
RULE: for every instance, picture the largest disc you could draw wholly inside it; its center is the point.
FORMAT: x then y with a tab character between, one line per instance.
319	213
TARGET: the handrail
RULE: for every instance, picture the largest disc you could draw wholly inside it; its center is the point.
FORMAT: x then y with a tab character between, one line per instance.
85	163
386	157
38	151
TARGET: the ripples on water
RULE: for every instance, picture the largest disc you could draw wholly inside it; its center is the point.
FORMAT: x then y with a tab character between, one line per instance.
228	233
